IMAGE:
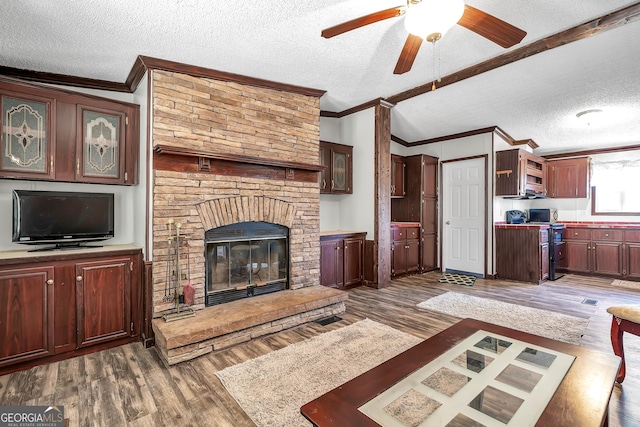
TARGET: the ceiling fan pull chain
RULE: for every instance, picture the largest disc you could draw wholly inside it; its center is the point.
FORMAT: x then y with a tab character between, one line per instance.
433	65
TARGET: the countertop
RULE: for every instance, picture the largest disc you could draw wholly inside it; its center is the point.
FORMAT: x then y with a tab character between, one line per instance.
339	232
602	224
523	226
404	224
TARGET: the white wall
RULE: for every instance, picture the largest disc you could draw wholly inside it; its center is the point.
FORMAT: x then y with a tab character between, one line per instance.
129	200
355	212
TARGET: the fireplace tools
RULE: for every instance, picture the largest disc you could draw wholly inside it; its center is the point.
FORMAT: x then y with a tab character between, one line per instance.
174	285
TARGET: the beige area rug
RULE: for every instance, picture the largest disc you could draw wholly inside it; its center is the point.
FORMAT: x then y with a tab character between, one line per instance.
626	284
549	324
272	388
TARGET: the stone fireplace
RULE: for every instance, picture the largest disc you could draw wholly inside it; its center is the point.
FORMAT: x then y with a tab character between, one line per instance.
236	164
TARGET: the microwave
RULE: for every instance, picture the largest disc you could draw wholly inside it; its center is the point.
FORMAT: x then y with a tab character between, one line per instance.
549	216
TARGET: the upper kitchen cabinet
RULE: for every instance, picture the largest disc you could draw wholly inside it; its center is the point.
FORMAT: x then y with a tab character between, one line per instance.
569	178
56	135
337	177
397	176
520	174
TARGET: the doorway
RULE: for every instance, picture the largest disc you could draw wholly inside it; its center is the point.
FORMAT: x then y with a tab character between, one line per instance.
464	216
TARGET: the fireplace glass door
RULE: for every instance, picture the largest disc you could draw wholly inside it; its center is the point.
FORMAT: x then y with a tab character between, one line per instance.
246	260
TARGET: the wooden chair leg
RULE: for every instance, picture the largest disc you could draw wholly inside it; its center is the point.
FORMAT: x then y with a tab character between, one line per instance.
618	348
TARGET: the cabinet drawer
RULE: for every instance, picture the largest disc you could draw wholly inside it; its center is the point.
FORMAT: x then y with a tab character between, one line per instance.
398	233
632	235
578	234
412	232
607	235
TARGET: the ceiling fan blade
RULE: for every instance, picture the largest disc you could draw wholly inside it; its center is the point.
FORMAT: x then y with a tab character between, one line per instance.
408	54
362	21
490	27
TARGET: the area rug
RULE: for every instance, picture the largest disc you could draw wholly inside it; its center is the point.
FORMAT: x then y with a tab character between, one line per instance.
626	284
457	279
535	321
272	388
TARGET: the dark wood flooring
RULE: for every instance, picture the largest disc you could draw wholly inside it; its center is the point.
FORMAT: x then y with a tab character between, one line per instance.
129	386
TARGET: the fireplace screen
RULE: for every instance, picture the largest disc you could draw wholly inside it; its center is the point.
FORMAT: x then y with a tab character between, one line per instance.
245	259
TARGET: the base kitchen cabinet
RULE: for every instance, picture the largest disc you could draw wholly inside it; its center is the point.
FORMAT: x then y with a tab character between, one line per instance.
595	251
522	253
58	305
405	249
341	259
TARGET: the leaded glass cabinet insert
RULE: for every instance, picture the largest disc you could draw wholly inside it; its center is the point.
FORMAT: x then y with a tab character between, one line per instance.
25	140
102	145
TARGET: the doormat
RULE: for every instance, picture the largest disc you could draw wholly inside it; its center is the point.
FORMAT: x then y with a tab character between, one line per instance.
626	284
457	279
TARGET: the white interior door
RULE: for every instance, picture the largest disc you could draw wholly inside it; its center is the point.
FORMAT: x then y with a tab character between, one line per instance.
463	216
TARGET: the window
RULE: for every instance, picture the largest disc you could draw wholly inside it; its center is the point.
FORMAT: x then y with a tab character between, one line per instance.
616	187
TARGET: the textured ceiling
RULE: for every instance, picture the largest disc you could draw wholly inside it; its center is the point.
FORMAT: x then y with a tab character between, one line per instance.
535	98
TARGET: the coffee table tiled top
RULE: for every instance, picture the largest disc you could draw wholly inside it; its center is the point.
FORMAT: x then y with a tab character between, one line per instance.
476	374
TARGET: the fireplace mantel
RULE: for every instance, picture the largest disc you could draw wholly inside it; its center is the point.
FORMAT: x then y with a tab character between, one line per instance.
182	159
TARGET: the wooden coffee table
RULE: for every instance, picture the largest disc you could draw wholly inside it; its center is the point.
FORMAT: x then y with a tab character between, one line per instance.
581	398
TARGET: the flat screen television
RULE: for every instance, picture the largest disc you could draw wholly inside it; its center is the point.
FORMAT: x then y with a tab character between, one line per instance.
64	219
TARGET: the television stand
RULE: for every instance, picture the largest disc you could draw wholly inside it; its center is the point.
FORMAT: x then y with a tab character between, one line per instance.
65	246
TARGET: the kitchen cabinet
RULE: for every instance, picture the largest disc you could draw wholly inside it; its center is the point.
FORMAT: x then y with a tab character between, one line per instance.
337	177
520	174
522	253
569	178
405	250
63	304
55	135
631	254
342	259
420	204
596	251
397	176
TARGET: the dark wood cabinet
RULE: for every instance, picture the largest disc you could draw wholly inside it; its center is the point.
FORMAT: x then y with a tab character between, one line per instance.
56	305
569	178
103	295
420	204
405	250
595	251
55	135
342	259
520	173
397	176
26	313
337	177
522	253
631	254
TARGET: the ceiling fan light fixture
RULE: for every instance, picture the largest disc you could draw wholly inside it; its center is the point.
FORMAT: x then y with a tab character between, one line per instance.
431	19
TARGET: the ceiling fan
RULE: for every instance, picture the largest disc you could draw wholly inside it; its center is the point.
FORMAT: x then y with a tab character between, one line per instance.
429	20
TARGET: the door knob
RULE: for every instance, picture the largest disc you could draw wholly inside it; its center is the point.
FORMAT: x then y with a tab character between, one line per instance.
447	223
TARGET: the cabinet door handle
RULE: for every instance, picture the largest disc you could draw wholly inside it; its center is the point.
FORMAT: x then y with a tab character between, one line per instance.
78	278
50	282
606	235
333	184
324	184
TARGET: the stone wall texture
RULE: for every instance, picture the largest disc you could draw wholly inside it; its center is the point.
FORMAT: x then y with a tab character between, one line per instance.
231	118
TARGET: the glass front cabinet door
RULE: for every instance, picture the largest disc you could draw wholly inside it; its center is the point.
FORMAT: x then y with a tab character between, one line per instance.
100	145
26	142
